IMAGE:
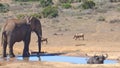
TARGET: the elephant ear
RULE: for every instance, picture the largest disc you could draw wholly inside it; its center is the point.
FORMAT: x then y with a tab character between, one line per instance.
28	19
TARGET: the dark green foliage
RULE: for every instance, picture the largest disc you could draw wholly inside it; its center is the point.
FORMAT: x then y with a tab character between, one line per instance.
45	3
50	12
101	18
20	16
37	15
26	0
66	5
88	4
78	0
69	1
4	7
65	1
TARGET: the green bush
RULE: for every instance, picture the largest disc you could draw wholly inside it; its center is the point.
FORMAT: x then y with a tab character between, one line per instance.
45	3
4	7
37	15
69	1
78	0
88	4
20	16
65	1
66	5
50	12
26	0
101	18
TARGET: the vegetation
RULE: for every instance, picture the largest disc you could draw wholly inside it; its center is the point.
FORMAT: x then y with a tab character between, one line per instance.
88	4
50	12
66	1
37	15
20	16
45	3
26	0
66	5
69	1
4	7
101	18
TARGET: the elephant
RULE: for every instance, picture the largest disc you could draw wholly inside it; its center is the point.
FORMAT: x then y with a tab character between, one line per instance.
97	59
16	30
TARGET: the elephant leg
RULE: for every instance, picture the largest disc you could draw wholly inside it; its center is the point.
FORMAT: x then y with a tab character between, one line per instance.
39	45
46	41
11	54
4	48
26	47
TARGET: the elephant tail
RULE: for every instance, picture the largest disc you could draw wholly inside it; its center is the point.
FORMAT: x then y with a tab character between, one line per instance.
3	38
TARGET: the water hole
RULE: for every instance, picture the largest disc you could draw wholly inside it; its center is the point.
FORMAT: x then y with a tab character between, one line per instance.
57	58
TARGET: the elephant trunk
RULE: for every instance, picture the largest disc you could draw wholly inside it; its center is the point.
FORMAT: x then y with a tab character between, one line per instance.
39	34
39	44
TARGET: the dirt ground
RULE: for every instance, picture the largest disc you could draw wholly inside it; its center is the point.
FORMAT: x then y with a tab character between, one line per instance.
63	42
101	37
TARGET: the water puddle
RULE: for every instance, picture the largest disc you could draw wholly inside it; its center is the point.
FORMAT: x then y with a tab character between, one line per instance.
58	58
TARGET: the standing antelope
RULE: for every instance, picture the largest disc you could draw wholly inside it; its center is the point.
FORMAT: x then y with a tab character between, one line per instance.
78	36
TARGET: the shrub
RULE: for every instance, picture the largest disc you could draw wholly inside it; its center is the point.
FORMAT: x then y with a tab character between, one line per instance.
101	18
66	5
26	0
20	16
4	7
50	12
69	1
45	3
66	1
115	21
88	4
37	15
78	0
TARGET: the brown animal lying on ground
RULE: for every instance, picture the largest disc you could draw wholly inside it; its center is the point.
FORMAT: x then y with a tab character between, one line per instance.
78	36
44	40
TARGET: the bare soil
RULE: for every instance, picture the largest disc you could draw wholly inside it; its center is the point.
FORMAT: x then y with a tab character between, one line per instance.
101	37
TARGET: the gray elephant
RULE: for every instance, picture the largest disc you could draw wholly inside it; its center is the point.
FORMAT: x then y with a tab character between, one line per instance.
97	59
16	30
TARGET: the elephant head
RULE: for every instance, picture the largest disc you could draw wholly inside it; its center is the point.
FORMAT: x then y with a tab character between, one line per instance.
35	27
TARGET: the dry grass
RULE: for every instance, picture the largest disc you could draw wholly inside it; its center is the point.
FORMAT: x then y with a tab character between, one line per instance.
100	37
